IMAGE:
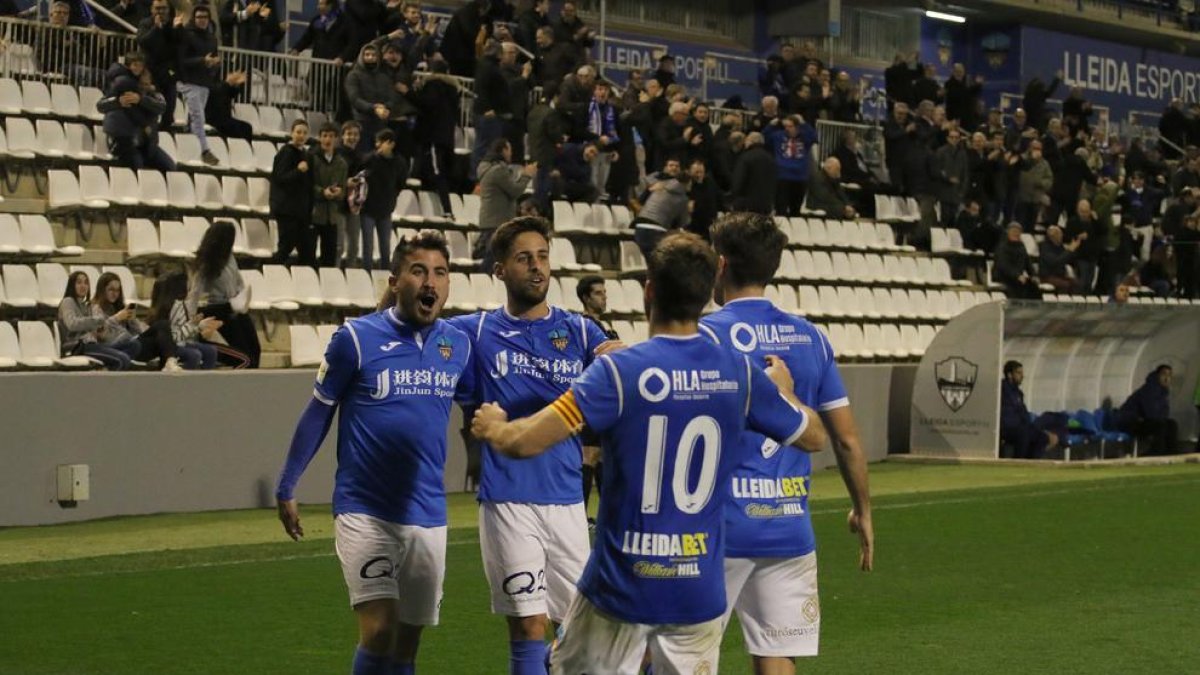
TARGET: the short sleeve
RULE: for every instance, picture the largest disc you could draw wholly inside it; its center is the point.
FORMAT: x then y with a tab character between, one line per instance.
768	412
831	393
465	393
598	394
339	368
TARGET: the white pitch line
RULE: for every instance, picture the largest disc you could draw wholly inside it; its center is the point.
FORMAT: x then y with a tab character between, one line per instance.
816	512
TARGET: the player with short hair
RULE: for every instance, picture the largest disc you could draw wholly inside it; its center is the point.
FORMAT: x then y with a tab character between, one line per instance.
393	374
770	563
532	525
669	412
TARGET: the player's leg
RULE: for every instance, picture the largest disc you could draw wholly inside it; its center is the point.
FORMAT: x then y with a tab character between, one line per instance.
774	631
591	458
592	642
420	574
565	533
514	561
368	552
686	649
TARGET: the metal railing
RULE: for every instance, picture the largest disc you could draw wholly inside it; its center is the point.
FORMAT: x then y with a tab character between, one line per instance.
76	56
1103	116
284	80
870	140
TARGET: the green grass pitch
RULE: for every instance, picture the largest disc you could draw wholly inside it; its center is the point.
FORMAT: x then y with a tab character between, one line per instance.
979	570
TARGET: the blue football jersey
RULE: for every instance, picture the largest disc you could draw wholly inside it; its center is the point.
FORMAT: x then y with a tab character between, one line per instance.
523	366
670	413
767	515
394	387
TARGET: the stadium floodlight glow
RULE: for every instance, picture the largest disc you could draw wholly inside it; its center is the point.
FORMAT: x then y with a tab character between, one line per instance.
943	16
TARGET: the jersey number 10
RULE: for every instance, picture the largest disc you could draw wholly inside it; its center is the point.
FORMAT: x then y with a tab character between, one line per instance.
704	429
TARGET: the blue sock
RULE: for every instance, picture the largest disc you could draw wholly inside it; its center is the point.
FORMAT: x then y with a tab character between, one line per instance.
366	663
403	669
527	657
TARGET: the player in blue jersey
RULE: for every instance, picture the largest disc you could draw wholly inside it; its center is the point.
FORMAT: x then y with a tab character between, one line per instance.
532	523
393	375
669	412
770	563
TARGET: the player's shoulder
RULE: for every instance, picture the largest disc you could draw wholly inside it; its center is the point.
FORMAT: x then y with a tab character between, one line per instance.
470	325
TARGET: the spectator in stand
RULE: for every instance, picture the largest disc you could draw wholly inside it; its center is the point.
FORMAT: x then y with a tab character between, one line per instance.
69	52
500	185
1018	432
327	34
1013	268
962	97
667	208
722	155
984	160
793	66
919	171
459	39
1140	203
372	94
602	130
131	108
291	198
555	60
952	166
768	113
131	12
190	333
198	65
809	98
845	102
547	131
156	37
771	81
355	194
635	85
417	38
898	80
673	136
1154	272
897	141
1146	414
572	173
529	22
926	87
517	76
1120	294
1186	177
1070	176
402	112
387	173
329	176
1034	101
79	330
994	123
1187	257
1033	186
1173	129
705	197
218	111
755	177
570	29
437	118
978	233
124	332
665	74
214	283
1084	227
1019	133
251	24
362	21
1077	111
791	141
826	193
1053	258
493	101
701	115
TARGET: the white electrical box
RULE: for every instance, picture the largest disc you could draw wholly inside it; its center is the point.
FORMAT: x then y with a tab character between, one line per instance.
73	483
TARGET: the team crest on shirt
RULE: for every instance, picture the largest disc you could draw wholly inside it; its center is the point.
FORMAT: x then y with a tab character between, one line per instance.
445	347
559	338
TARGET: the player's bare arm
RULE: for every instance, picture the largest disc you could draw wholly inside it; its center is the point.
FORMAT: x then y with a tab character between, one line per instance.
528	436
852	463
814	436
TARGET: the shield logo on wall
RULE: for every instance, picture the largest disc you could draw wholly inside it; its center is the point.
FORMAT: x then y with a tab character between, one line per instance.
955	380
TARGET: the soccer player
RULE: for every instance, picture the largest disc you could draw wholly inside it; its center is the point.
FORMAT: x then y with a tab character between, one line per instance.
670	412
532	524
770	558
393	374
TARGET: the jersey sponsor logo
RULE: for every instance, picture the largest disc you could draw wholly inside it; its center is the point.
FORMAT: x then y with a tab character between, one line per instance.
377	568
655	384
383	385
414	382
517	363
690	544
747	338
445	347
955	381
656	570
559	338
769	488
525	583
390	346
509	333
781	510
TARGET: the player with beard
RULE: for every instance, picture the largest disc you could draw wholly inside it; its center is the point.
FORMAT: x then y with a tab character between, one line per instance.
393	374
532	524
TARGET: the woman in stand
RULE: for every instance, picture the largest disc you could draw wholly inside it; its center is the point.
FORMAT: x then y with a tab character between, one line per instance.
214	283
123	331
191	332
80	330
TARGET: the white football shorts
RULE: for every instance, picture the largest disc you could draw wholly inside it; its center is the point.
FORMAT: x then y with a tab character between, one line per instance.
593	642
776	603
533	554
385	560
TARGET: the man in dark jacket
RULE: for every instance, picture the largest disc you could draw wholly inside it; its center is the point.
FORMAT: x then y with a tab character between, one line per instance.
156	38
1013	268
926	87
329	175
1053	257
952	169
962	97
198	65
131	108
1083	226
1034	101
493	99
555	60
572	30
573	172
530	22
547	133
755	177
250	24
1139	202
437	104
1173	127
292	198
219	110
1018	433
326	34
363	19
705	197
458	41
387	173
825	192
898	80
372	94
1146	414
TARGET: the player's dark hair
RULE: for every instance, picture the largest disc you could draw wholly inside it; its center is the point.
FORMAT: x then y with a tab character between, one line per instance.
683	270
1010	367
504	236
584	287
427	240
752	245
